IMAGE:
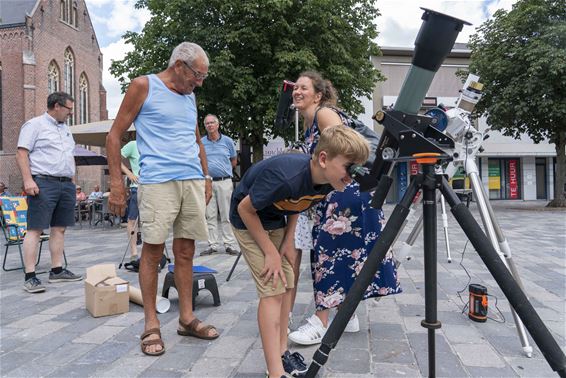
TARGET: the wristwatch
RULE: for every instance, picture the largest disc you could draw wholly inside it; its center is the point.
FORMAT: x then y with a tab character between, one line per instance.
207	177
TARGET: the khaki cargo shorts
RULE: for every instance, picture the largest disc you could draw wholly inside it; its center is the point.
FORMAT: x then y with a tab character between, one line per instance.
180	204
256	260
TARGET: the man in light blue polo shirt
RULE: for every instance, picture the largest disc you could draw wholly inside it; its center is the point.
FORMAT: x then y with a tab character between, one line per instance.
46	161
221	158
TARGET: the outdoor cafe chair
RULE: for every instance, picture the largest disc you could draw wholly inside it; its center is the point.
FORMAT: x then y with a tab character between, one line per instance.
102	212
83	210
14	227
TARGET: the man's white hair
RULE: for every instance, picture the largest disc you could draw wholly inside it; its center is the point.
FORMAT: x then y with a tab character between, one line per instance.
187	52
212	116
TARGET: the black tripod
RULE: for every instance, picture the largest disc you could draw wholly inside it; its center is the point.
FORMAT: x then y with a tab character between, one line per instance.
429	182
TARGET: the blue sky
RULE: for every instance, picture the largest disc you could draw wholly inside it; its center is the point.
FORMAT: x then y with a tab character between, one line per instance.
398	26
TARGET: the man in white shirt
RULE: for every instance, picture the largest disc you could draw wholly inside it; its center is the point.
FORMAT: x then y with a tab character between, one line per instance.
46	161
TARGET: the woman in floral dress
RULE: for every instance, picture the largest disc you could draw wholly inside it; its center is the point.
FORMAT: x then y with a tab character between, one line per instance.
345	226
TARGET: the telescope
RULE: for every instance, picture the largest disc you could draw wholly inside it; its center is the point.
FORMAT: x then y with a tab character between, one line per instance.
409	136
434	41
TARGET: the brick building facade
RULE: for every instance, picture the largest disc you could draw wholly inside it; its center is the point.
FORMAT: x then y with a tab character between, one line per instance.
46	46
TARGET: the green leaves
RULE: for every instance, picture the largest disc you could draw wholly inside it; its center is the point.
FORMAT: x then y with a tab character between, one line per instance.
520	57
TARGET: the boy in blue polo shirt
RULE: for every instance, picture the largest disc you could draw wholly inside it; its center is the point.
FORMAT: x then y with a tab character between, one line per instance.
263	212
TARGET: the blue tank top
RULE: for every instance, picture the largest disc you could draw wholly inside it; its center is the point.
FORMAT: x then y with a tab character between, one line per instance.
165	128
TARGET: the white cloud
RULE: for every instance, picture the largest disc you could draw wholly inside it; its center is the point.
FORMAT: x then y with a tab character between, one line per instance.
400	21
112	18
118	16
125	17
114	51
98	3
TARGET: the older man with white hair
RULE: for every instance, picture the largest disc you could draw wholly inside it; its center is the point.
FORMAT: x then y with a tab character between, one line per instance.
174	185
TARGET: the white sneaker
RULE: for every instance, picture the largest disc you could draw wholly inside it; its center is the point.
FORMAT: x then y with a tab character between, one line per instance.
310	333
353	324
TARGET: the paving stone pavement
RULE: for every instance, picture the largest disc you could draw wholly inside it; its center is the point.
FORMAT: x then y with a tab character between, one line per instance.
52	335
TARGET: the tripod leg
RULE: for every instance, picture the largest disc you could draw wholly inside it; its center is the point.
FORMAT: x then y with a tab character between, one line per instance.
405	250
234	266
430	322
371	265
517	298
498	240
445	227
128	245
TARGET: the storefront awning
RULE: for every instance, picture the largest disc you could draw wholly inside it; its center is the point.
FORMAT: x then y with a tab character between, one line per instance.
94	133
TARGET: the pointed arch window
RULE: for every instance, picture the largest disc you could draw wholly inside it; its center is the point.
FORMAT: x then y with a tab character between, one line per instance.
74	18
68	10
69	71
83	99
69	78
63	10
53	77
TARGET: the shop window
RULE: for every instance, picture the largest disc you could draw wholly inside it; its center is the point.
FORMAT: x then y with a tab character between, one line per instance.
504	179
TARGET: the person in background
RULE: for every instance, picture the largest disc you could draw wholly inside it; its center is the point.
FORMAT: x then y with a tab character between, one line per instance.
221	159
174	185
80	195
96	193
3	191
130	152
46	162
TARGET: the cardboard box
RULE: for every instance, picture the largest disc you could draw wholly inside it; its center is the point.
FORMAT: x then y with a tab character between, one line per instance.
105	293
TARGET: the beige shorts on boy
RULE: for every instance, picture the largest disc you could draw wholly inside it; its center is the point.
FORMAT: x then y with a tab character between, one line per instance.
256	260
180	204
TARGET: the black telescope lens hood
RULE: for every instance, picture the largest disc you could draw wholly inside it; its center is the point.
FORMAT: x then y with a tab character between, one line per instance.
436	37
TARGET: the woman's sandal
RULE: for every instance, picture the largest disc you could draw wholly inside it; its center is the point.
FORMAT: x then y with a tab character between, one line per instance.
145	343
191	330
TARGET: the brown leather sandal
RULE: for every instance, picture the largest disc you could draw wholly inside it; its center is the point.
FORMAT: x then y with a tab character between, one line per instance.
191	330
145	343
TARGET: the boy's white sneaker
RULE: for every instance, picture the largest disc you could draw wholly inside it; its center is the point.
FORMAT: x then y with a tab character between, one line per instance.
310	333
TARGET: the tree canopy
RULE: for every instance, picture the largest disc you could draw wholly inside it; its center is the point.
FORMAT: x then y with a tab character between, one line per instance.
520	56
253	45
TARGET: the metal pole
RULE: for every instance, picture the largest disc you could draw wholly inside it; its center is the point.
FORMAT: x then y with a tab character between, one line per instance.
445	227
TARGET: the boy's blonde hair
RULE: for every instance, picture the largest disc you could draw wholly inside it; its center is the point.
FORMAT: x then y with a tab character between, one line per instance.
342	140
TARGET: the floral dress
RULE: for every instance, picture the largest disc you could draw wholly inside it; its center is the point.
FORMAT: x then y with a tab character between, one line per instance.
345	230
